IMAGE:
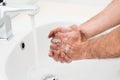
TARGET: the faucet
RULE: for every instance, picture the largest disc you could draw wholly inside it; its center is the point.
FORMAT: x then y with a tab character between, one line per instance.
5	17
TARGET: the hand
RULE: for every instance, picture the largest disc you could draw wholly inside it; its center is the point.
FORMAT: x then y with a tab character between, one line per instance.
57	30
65	30
65	43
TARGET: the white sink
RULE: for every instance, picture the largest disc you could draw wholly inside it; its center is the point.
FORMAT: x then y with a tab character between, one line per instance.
24	64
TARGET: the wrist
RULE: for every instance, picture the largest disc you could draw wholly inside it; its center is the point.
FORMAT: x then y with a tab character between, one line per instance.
83	33
85	51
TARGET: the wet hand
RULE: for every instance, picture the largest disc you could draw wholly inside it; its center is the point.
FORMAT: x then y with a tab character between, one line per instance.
65	44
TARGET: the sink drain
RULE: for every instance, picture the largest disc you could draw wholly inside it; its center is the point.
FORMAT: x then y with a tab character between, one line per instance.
49	77
41	73
22	45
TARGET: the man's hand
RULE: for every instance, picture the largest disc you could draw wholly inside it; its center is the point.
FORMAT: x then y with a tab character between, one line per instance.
65	43
69	46
106	46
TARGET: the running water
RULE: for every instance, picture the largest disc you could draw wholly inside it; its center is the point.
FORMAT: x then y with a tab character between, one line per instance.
35	40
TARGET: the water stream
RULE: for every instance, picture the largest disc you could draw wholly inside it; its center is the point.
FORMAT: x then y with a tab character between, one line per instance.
35	41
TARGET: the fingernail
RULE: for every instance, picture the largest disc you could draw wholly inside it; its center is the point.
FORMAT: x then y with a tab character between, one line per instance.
69	61
62	62
50	55
62	55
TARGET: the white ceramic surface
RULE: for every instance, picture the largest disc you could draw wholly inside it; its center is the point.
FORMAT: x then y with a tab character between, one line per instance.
21	65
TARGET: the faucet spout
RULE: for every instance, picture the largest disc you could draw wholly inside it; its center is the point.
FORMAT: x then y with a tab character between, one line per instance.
5	21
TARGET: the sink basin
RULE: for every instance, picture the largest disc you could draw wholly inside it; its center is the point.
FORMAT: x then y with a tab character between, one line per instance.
24	64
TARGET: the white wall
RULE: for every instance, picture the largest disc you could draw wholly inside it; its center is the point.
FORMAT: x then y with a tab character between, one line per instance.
87	2
21	1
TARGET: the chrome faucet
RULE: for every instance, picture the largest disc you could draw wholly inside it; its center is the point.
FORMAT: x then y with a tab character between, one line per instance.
5	17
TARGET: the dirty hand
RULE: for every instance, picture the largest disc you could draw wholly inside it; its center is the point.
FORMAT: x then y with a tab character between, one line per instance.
66	44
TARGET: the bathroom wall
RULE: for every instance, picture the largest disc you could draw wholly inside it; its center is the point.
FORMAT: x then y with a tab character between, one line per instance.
22	1
87	2
83	2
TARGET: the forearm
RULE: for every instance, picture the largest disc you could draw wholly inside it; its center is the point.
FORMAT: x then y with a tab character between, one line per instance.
107	46
106	19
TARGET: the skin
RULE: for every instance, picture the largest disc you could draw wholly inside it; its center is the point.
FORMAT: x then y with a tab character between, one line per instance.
73	38
105	20
80	47
106	46
101	47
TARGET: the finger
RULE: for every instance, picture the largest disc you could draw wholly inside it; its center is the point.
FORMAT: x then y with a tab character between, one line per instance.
51	53
60	38
67	59
62	54
59	29
53	32
60	35
74	27
56	55
64	37
66	48
61	60
73	36
54	47
61	57
55	41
